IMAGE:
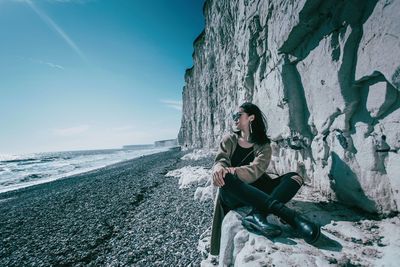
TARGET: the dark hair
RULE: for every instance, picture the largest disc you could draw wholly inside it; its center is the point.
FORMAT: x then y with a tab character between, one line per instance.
258	125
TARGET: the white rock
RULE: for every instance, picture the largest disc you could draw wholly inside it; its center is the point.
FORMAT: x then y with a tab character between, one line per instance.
197	154
189	175
205	193
380	98
231	226
317	69
379	50
325	70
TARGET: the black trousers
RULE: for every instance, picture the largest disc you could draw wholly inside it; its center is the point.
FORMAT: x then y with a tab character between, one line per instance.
236	193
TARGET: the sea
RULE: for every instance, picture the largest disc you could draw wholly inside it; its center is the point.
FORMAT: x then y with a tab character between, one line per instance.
18	171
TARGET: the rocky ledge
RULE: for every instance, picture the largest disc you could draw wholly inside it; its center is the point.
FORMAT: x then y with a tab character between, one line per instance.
350	237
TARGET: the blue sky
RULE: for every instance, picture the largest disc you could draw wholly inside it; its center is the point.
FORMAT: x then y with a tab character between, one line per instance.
88	74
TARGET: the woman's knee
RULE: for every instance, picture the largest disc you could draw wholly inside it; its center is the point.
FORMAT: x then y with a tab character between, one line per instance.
230	179
230	182
296	177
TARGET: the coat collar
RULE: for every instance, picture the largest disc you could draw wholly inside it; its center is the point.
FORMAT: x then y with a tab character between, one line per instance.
235	137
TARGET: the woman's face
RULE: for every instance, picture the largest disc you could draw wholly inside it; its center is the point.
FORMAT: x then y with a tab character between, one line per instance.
242	120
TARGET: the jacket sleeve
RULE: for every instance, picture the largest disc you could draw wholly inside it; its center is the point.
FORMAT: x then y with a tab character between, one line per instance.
250	173
222	159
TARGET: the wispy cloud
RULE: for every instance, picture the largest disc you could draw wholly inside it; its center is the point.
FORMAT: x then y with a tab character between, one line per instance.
71	130
53	65
56	28
49	64
172	104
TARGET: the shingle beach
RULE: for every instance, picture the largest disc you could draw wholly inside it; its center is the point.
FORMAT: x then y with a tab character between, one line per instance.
126	214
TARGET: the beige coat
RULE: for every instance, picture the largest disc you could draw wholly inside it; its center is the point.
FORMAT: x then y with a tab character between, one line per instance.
248	174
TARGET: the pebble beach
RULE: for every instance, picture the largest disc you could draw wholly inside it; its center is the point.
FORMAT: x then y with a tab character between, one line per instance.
126	214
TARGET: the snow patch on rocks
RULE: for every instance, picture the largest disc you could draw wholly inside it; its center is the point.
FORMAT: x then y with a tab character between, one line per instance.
197	175
197	154
190	175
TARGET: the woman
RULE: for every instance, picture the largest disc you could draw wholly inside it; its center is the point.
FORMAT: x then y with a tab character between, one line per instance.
239	172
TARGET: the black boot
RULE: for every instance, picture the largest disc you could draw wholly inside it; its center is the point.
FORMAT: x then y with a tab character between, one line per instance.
258	222
308	230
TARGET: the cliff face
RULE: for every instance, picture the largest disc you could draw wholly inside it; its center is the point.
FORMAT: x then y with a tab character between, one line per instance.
326	73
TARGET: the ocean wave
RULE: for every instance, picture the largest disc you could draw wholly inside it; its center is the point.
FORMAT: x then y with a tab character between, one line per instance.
4	157
32	177
28	161
5	169
8	183
18	160
47	159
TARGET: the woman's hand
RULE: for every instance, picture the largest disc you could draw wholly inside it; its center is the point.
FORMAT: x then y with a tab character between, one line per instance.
218	177
231	170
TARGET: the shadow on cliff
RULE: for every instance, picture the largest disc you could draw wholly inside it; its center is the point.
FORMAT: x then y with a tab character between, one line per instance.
324	213
347	187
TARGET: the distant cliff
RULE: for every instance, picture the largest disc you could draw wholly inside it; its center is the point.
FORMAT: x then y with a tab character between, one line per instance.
165	143
327	75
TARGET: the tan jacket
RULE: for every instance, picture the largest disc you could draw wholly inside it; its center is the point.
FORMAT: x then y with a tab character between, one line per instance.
248	174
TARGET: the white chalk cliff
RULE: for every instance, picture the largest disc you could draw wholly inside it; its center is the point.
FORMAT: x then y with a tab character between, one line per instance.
326	73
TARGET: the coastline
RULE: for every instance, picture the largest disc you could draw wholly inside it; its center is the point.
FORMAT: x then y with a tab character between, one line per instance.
53	173
127	213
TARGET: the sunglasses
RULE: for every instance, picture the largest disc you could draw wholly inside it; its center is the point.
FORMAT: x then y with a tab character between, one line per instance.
236	116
